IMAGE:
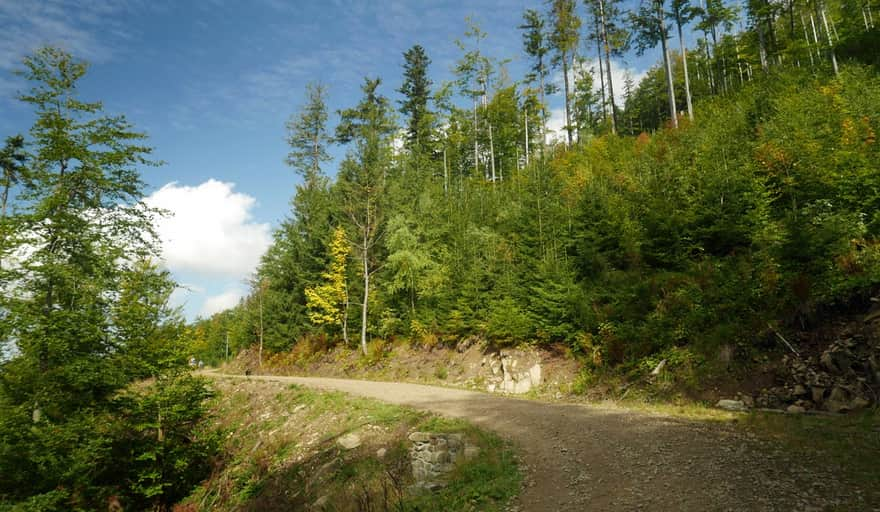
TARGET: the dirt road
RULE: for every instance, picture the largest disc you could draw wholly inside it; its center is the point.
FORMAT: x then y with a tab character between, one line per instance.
586	458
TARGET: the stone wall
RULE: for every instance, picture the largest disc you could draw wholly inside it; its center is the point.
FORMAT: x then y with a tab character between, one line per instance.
433	455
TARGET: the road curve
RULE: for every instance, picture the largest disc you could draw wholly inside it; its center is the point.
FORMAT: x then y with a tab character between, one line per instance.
579	457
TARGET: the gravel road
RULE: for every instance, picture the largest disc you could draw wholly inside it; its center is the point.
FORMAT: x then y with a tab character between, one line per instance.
590	458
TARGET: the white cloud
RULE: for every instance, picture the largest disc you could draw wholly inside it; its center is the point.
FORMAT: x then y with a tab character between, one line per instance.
556	126
209	229
619	71
217	303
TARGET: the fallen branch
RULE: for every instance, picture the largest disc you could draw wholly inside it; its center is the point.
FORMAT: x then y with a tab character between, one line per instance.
781	337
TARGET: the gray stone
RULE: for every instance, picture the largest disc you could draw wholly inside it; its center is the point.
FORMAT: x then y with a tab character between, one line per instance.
828	362
858	403
380	453
420	437
471	451
795	409
818	393
732	405
838	394
349	441
799	390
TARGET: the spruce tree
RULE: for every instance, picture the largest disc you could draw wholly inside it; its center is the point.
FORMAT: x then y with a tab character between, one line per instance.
363	179
416	90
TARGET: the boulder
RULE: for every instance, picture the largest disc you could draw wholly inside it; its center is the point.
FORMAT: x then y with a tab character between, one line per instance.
349	441
732	405
859	403
795	409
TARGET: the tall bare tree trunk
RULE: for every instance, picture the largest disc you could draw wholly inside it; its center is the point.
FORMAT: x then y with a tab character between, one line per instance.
476	149
260	358
445	174
608	66
491	153
673	111
366	262
830	43
684	63
345	315
566	92
809	44
601	70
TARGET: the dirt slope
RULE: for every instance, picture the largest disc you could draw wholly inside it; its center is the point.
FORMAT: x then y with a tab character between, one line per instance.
590	458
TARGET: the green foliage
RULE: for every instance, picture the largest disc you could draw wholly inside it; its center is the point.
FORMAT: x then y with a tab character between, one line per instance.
167	447
87	313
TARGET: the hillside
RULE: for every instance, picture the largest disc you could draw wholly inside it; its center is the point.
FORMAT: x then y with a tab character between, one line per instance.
285	447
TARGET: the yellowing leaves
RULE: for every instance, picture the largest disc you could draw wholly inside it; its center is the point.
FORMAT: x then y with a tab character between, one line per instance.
325	301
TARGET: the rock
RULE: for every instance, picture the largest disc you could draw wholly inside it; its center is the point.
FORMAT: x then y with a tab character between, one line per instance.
433	455
491	388
420	437
349	441
835	406
321	502
799	390
659	368
838	400
732	405
535	374
838	394
380	453
795	409
471	451
858	403
828	362
818	394
748	401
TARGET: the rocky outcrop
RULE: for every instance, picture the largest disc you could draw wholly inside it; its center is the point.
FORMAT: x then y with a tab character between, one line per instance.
514	372
434	455
843	377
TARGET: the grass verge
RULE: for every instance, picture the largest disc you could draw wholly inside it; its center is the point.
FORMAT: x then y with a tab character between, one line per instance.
283	451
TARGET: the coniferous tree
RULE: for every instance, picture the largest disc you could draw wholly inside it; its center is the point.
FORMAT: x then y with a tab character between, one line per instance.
298	255
536	45
307	136
363	179
682	12
416	90
649	25
564	36
12	160
88	312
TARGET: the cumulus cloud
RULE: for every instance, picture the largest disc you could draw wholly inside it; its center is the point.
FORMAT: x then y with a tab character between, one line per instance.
556	125
209	230
619	73
221	302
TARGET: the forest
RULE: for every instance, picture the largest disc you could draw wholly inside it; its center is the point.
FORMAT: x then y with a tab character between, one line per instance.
733	194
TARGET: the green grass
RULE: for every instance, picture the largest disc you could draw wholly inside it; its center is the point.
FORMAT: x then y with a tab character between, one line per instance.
281	454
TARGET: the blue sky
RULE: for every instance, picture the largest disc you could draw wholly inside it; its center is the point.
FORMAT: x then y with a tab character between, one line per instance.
213	82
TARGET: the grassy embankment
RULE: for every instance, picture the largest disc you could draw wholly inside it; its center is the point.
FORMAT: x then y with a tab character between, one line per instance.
281	453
